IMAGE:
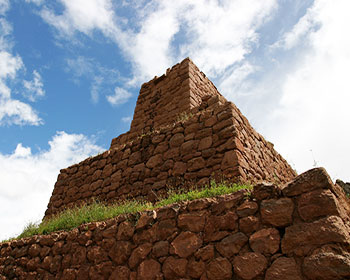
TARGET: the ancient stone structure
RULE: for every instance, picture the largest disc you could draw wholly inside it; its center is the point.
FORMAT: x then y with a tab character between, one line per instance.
345	186
184	132
298	231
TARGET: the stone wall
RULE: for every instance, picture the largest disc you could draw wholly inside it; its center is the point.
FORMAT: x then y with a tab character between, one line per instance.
184	133
300	231
214	141
162	100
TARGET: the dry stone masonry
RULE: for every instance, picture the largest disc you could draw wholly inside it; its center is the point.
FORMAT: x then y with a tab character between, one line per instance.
298	231
184	133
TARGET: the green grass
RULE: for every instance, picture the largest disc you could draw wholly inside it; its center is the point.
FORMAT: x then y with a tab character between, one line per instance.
96	211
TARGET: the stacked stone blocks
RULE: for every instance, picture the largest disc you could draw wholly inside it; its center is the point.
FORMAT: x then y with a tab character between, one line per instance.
184	133
298	231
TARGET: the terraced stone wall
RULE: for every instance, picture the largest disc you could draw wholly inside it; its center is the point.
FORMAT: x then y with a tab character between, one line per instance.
184	133
300	231
214	141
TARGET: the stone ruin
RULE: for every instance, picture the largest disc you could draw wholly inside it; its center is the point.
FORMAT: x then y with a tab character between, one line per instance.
184	133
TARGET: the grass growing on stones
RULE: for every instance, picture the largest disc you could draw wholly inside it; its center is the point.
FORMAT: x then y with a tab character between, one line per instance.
97	211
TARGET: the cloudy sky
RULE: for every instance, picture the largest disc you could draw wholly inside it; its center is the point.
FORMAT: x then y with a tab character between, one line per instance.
70	72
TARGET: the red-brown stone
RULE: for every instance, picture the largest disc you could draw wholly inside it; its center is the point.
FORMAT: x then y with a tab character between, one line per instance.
265	241
219	269
205	253
300	238
231	244
277	212
120	273
160	249
155	161
148	270
248	208
139	254
174	268
120	252
191	222
125	231
195	269
249	265
316	204
96	255
329	262
248	224
283	268
186	244
316	178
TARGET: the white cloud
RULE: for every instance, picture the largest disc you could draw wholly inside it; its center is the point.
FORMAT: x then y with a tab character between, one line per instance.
81	15
127	119
220	35
34	89
306	25
95	88
9	65
18	113
13	111
217	34
100	77
4	6
81	66
314	113
36	2
120	96
27	179
5	31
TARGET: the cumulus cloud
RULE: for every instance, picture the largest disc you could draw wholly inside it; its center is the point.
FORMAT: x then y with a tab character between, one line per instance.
307	24
34	89
81	15
14	111
26	177
313	113
18	113
120	96
215	34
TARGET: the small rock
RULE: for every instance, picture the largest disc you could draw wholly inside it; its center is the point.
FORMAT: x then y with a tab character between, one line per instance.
248	208
249	265
329	262
283	268
316	178
277	212
174	268
265	241
148	270
186	244
300	238
232	244
219	269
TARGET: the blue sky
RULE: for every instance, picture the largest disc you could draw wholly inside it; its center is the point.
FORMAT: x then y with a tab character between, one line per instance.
70	72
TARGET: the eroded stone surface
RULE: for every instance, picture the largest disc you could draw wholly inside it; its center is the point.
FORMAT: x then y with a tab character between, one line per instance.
277	212
249	265
219	269
328	262
283	268
186	244
265	241
300	238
